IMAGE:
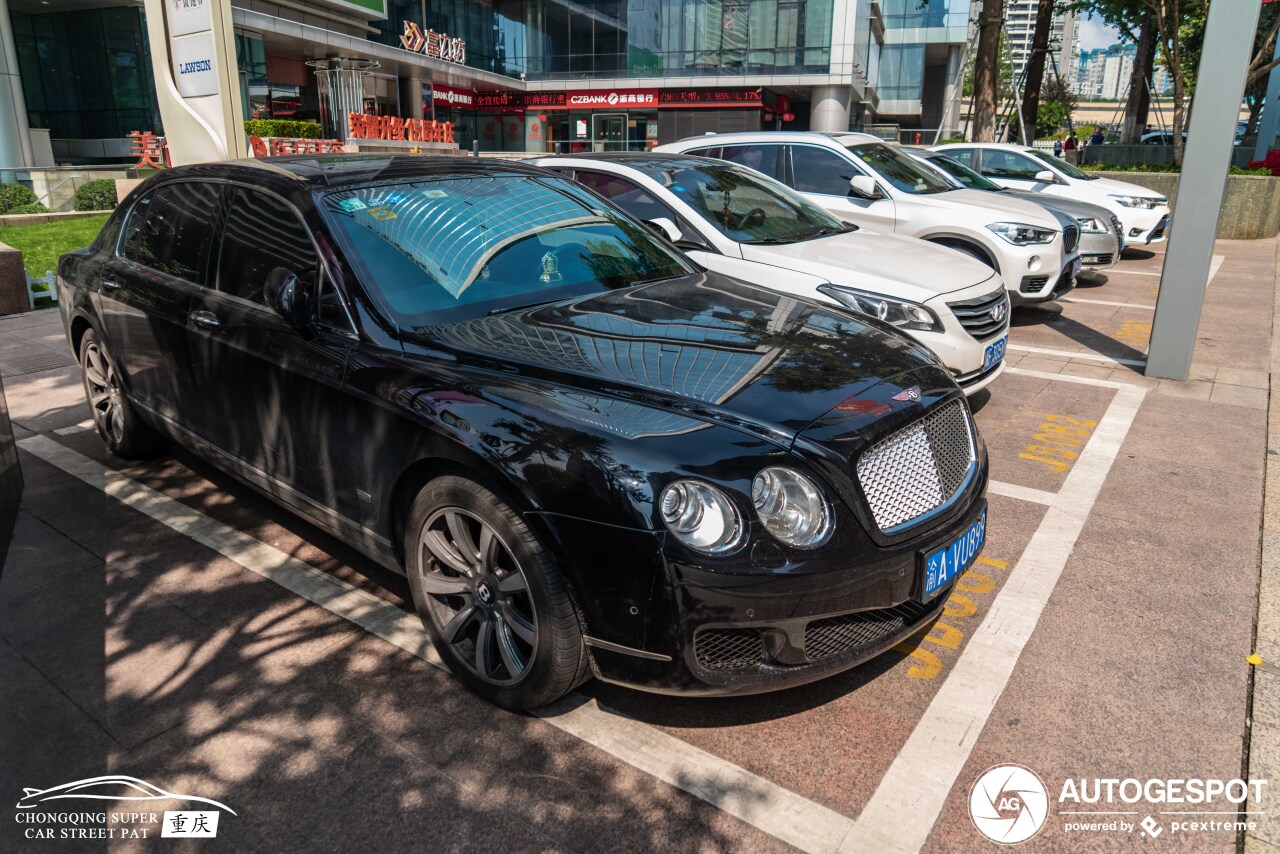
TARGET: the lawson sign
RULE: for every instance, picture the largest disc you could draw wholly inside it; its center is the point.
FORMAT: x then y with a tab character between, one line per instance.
193	65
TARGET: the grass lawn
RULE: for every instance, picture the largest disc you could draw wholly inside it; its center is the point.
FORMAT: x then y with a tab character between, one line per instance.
41	244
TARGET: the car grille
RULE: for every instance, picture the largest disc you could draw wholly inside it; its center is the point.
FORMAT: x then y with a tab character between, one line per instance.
983	316
836	635
728	649
919	469
1158	231
1070	237
1098	260
1033	284
1115	223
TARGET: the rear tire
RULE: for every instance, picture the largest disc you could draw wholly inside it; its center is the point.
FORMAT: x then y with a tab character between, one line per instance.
122	430
491	597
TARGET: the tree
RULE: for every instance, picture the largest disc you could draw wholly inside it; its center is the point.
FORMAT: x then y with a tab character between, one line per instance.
1059	91
1135	21
1035	66
986	74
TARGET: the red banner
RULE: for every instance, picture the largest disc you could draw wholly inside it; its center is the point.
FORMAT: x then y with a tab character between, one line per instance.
362	126
622	99
711	98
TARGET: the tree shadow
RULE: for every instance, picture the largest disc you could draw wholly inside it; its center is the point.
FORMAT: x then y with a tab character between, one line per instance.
1095	341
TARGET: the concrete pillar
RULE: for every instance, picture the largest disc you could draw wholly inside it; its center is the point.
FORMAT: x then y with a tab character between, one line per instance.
952	92
829	112
411	97
15	133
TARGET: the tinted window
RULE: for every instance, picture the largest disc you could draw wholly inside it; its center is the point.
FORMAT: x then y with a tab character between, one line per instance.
705	152
330	310
901	170
1006	164
262	233
625	195
1062	166
436	251
762	158
963	155
962	173
817	170
177	235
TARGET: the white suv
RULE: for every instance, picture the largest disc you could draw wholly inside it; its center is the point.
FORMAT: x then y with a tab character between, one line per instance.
861	180
737	222
1143	213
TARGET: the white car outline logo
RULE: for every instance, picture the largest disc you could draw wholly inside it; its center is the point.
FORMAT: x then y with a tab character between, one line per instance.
77	789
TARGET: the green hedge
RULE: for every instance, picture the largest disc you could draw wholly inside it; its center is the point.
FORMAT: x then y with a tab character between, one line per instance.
34	207
14	196
96	195
283	127
1161	167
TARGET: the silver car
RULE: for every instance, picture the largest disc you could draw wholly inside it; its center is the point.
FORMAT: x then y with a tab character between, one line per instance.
1101	235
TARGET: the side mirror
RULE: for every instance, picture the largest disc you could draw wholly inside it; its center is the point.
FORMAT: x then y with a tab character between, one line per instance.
664	227
1046	177
286	296
864	186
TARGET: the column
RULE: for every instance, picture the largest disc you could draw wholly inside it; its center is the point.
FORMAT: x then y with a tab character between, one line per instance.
830	109
15	133
411	97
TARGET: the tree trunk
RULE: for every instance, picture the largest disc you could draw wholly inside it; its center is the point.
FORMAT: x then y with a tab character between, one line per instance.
1138	104
986	70
1035	69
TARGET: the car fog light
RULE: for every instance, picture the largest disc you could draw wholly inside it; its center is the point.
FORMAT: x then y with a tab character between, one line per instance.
1033	263
791	507
1134	232
700	516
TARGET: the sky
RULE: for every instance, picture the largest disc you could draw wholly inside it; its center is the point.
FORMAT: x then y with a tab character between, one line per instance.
1094	33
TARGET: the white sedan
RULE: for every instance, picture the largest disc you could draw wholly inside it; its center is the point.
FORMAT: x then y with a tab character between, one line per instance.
1143	213
740	223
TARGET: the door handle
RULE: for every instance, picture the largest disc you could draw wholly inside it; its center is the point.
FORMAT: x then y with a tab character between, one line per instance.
111	284
207	319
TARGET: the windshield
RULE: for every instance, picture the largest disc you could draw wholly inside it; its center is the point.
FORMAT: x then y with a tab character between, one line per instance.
1062	166
906	173
441	250
744	206
963	174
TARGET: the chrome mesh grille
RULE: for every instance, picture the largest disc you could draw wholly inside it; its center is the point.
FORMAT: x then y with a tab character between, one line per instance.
728	649
835	635
919	468
1070	237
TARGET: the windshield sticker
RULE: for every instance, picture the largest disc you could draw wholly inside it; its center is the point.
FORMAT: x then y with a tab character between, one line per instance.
352	205
435	194
382	212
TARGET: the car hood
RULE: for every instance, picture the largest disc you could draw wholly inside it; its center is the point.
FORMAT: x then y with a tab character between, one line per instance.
704	346
1071	207
974	203
883	263
1111	185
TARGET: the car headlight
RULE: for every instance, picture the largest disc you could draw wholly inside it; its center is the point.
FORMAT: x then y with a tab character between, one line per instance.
701	516
900	313
1021	234
1144	202
791	507
1089	225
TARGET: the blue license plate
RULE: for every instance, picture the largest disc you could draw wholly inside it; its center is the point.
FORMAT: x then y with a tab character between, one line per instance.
994	353
941	566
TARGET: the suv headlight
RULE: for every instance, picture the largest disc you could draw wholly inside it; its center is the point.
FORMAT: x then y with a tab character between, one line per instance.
1021	234
900	313
700	516
791	507
1144	202
1089	225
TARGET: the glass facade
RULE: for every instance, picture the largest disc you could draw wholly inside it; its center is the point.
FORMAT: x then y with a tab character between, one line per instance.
560	39
908	14
86	74
901	72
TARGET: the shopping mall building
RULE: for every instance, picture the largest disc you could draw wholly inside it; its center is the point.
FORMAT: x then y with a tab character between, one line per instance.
511	75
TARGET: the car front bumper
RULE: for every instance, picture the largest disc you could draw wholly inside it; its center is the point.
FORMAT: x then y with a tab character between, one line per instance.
1100	251
1034	289
1144	226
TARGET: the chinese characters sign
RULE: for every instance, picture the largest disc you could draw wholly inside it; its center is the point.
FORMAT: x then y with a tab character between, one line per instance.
362	126
433	44
711	98
613	98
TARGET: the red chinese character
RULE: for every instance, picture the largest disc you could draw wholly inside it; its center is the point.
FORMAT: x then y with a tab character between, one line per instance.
395	128
433	44
147	147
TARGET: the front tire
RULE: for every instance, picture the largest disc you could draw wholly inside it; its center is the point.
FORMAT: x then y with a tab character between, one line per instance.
123	432
491	597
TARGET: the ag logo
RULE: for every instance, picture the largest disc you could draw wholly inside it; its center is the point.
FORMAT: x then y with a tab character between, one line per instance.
1008	804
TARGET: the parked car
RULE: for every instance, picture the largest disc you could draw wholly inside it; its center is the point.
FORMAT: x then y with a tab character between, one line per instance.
1143	213
1101	234
856	177
588	455
740	223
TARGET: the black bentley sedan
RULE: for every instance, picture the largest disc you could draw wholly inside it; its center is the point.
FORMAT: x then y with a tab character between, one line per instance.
588	455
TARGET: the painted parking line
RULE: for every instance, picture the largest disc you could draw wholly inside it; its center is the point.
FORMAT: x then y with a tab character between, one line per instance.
925	770
1024	493
1093	357
767	806
1108	302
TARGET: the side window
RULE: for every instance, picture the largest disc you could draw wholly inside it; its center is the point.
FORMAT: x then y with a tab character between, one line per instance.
817	170
176	236
329	307
705	152
262	233
626	195
1006	164
762	158
964	155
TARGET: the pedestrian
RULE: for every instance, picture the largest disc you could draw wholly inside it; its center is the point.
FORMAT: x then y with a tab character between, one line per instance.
1098	137
1057	148
1072	143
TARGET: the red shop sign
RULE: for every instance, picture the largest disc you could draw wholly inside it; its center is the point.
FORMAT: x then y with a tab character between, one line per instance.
499	101
449	96
711	98
608	98
544	100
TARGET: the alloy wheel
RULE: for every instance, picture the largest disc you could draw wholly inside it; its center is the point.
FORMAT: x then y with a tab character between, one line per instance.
477	596
105	396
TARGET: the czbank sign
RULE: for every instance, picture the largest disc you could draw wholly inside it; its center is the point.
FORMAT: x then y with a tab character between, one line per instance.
191	46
